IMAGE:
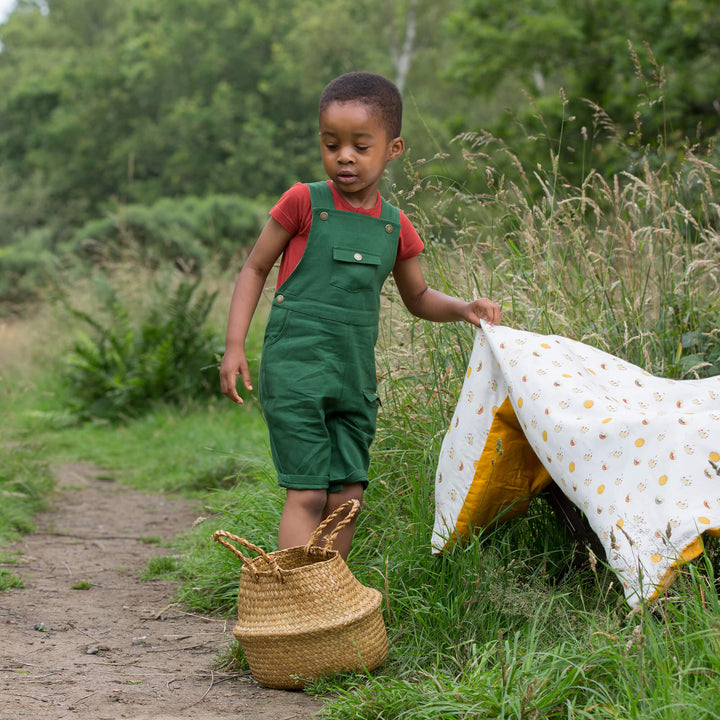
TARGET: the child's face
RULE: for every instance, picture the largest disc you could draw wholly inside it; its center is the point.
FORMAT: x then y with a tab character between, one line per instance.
355	150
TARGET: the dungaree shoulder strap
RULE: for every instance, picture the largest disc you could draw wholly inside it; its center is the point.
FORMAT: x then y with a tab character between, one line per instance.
390	213
321	196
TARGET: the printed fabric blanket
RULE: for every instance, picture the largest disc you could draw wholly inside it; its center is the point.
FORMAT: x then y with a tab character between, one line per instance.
637	454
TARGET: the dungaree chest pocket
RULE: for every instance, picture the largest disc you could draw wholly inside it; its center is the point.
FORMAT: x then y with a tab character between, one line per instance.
353	270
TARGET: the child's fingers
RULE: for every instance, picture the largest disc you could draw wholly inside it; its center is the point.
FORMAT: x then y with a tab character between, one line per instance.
245	373
485	309
227	385
493	313
229	373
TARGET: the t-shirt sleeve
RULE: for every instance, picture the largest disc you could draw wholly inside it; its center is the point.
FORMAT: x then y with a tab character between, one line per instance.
411	243
293	208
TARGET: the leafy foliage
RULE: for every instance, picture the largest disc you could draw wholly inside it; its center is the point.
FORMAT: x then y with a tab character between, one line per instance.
107	106
107	102
599	55
187	231
176	98
124	363
27	271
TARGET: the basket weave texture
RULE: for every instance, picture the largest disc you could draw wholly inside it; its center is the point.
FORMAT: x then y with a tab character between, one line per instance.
302	613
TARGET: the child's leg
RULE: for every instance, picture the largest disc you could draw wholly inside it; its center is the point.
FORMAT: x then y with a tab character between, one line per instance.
303	512
305	509
334	501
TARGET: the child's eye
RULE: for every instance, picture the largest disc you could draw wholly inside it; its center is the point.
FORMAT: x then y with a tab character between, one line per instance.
331	146
362	148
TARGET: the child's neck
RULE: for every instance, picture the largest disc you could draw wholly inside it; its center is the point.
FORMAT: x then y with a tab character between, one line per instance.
366	199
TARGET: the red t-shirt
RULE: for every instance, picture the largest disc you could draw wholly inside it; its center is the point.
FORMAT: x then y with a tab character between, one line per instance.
294	212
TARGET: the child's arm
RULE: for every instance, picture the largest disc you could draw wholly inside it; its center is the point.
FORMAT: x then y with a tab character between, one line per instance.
430	304
248	288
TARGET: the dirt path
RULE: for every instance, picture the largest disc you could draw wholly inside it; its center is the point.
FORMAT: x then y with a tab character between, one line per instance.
120	649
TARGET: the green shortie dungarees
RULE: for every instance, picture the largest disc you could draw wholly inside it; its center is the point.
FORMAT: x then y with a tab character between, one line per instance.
317	381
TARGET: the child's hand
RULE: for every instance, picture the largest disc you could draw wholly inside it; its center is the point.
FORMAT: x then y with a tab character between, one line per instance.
482	309
234	363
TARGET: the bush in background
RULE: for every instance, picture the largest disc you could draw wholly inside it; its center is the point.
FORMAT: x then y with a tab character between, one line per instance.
129	359
27	271
188	231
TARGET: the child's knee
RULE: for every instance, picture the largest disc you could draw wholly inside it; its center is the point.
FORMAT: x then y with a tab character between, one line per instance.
351	491
310	502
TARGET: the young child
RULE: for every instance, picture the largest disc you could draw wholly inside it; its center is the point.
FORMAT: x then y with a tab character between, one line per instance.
339	240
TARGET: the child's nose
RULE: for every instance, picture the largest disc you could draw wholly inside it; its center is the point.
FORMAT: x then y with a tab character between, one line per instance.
346	154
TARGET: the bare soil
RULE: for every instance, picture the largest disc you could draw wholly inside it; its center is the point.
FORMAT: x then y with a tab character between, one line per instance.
120	648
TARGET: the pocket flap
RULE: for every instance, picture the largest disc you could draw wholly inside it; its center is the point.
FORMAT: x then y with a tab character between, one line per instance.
371	397
355	256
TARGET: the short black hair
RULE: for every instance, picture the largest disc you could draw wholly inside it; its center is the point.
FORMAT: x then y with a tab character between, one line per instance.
371	89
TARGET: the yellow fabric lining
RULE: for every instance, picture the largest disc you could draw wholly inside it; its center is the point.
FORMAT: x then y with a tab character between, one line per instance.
507	475
693	550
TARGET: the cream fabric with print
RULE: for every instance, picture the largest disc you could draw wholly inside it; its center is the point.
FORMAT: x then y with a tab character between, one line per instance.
636	453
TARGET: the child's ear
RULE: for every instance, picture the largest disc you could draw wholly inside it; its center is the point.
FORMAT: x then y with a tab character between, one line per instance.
395	150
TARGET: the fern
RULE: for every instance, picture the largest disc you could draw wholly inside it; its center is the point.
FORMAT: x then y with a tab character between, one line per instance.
121	364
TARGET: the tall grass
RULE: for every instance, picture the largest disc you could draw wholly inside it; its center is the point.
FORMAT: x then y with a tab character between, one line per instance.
628	263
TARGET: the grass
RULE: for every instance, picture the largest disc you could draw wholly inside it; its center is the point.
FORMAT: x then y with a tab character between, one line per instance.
164	567
515	623
9	580
193	449
81	585
523	676
25	487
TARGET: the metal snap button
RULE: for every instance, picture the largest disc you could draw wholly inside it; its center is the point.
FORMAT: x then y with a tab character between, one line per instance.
280	298
389	228
324	215
358	256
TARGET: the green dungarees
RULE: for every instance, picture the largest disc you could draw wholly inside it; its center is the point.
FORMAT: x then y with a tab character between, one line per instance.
317	383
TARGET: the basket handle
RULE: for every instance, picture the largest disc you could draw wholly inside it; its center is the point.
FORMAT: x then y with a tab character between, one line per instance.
222	536
352	507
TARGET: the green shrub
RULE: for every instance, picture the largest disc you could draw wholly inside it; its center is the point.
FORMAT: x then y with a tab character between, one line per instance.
125	363
188	231
27	269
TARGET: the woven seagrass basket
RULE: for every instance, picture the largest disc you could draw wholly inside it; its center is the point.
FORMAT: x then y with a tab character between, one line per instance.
302	613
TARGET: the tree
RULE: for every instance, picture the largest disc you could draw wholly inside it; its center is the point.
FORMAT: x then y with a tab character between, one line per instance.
127	101
110	101
627	59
